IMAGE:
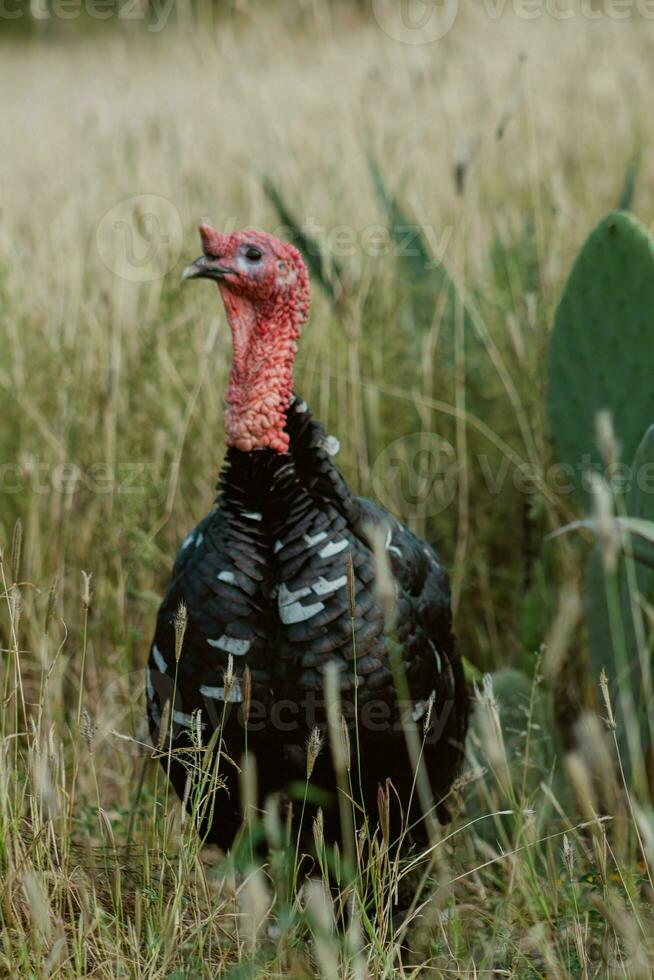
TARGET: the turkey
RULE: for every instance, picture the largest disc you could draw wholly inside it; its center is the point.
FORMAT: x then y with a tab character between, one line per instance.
280	578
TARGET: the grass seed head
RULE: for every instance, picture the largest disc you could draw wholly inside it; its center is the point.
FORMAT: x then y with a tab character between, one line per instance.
38	903
606	440
345	739
582	785
351	586
16	549
318	829
247	694
180	623
608	534
384	811
430	708
87	592
314	745
568	856
52	601
163	725
87	729
332	688
321	917
568	615
255	903
593	745
606	697
229	676
272	823
15	598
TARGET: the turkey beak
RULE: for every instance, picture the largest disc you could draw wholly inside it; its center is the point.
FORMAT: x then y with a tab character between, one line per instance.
205	268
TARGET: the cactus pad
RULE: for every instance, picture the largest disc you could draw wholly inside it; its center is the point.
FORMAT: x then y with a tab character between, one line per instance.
600	355
639	503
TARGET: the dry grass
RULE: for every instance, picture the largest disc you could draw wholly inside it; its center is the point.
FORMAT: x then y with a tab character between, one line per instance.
111	401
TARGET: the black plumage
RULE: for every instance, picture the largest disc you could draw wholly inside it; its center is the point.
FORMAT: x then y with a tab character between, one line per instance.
222	580
330	611
281	575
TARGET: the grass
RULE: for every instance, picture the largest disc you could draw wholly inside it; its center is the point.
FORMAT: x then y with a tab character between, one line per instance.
111	385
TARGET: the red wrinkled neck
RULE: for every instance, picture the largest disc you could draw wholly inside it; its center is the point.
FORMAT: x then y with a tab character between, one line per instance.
264	336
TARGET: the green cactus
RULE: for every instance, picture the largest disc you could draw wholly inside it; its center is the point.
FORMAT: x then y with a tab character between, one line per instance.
601	345
638	503
600	361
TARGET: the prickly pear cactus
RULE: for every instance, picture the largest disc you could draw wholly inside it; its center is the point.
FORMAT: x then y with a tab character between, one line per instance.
638	502
601	347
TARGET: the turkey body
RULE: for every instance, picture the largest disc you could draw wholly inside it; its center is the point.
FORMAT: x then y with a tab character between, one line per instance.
282	577
393	671
222	577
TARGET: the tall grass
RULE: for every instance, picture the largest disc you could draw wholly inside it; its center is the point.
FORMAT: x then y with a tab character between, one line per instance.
111	399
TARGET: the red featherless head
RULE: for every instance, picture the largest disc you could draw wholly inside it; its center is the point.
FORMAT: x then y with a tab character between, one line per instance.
264	286
256	266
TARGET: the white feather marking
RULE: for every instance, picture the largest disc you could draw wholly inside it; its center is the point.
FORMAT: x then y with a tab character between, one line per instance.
228	577
180	718
388	546
301	406
285	597
231	645
218	693
162	666
149	684
334	548
187	541
437	655
315	539
331	445
253	515
199	539
324	587
297	613
278	546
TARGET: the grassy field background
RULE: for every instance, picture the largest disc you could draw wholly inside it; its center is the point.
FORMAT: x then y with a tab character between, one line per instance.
506	141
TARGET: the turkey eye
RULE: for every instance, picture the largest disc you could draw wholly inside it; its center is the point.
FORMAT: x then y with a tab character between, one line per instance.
253	254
